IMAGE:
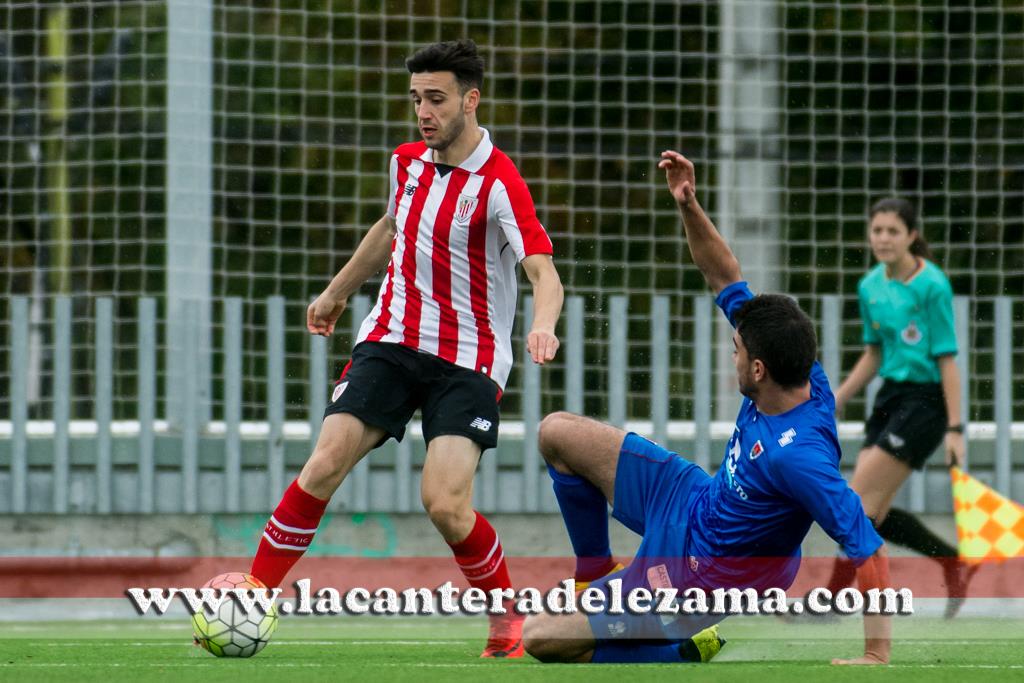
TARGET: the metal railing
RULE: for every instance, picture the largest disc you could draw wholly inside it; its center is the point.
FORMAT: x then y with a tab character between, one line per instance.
149	466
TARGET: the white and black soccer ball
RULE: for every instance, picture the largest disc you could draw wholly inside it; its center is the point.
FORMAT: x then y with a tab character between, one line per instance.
233	632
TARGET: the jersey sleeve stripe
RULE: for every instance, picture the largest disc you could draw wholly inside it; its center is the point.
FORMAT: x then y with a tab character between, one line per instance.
380	330
413	298
535	238
393	173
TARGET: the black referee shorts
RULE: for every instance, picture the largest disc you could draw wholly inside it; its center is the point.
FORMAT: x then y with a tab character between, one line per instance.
384	384
908	421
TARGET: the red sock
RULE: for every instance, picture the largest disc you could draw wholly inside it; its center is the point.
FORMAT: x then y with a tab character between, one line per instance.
482	562
288	533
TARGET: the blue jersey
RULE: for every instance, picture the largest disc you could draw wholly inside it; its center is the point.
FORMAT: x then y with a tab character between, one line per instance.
780	473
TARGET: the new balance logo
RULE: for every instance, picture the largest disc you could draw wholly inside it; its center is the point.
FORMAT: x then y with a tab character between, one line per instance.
481	424
409	189
787	437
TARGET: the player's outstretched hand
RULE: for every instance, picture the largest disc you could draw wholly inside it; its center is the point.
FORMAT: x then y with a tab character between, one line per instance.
542	346
681	178
323	313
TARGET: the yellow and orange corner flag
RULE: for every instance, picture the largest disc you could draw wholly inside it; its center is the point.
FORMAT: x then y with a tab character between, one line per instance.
990	526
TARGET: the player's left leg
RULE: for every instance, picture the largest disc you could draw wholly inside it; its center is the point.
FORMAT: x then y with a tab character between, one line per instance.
582	456
592	464
579	446
460	422
570	638
447	492
559	637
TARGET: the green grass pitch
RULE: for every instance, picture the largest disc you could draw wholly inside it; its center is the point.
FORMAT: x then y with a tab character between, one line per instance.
336	649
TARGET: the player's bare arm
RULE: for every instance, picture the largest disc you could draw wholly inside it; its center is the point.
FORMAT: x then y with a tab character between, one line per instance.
541	343
874	573
370	257
710	252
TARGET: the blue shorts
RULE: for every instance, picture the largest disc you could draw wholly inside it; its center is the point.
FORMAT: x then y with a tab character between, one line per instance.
653	490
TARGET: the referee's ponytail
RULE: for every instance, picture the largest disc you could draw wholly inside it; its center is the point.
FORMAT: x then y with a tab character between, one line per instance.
905	210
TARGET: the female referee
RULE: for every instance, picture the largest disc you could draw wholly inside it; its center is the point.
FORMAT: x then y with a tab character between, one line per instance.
906	305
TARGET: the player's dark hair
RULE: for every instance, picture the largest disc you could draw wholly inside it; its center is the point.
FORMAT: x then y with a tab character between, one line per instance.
905	210
458	56
779	334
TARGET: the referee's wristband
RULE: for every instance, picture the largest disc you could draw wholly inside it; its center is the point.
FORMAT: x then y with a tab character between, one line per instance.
957	429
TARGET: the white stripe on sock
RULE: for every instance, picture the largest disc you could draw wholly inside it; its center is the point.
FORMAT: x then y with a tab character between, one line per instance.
496	566
284	546
293	529
485	560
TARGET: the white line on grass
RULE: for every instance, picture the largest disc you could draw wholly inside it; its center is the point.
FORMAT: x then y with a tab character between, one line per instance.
263	664
469	665
276	643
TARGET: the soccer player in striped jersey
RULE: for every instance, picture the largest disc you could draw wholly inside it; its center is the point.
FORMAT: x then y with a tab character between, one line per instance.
741	528
459	219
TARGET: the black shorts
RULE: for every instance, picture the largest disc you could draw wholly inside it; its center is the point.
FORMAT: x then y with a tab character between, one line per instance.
909	421
384	384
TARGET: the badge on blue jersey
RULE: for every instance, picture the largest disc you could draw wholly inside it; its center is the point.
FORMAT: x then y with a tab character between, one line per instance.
756	450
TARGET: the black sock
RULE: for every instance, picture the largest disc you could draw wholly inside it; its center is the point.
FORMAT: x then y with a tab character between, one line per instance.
905	529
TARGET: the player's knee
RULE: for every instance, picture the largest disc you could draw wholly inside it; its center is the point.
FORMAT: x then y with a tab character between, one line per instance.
552	433
329	460
538	641
325	469
449	514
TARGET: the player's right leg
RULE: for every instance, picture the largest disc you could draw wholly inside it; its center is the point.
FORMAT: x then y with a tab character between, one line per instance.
343	441
373	400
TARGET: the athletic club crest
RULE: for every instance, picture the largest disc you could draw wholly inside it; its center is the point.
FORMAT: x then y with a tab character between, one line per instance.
464	208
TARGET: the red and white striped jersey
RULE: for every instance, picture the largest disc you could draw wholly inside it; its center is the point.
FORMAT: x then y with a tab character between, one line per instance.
450	287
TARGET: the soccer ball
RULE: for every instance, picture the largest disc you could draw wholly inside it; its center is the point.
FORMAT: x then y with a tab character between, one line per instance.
232	632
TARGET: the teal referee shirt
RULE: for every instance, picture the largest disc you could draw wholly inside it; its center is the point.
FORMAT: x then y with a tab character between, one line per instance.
912	321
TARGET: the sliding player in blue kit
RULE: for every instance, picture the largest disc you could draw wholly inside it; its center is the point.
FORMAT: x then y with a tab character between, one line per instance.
741	528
